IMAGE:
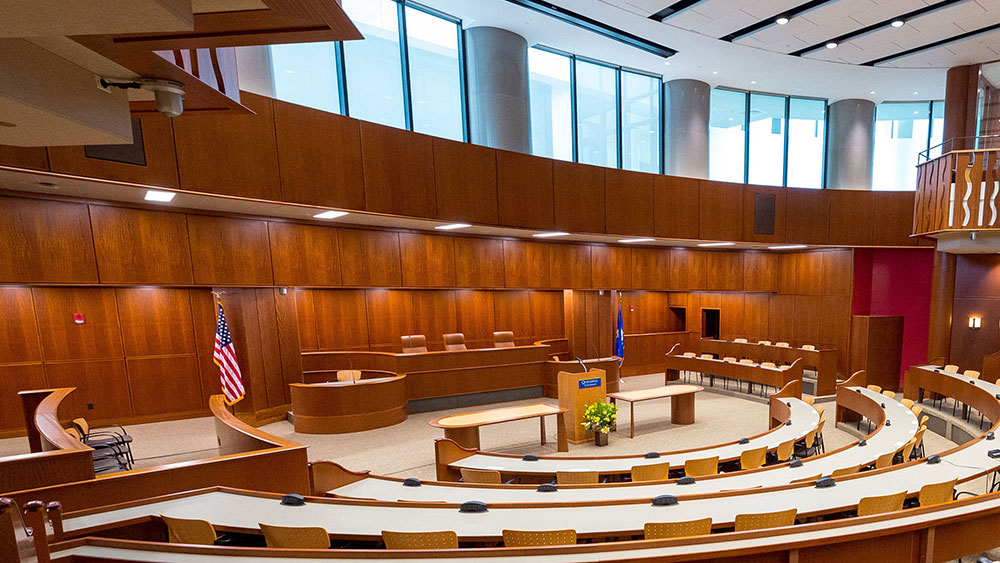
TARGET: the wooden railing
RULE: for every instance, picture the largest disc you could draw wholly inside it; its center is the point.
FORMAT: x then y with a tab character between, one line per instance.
958	191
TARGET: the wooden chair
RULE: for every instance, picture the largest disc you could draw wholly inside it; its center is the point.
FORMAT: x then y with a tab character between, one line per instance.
481	476
951	367
651	472
503	339
881	504
820	444
701	467
729	359
113	436
918	444
937	493
189	531
890	394
740	340
820	409
785	450
420	540
752	459
907	450
689	355
916	410
454	341
885	460
764	342
808	347
530	538
971	373
685	529
808	442
577	478
747	361
908	403
782	345
845	471
763	520
809	400
348	374
707	357
771	365
414	344
290	537
875	388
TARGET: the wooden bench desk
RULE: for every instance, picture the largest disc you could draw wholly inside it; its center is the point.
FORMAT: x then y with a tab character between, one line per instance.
464	428
681	402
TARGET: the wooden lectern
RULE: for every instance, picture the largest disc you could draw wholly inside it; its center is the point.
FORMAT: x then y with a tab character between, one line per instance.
576	391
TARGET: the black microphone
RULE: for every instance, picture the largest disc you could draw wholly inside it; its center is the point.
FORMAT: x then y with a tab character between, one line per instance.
351	365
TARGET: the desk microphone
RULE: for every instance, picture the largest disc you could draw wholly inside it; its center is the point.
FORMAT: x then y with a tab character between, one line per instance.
583	365
350	364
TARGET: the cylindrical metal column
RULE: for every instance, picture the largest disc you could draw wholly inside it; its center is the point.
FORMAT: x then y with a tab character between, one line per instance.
497	77
685	124
849	154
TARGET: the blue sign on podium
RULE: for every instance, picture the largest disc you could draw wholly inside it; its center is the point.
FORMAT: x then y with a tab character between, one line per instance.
588	383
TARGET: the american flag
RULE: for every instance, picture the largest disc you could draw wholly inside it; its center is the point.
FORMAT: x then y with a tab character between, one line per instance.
225	358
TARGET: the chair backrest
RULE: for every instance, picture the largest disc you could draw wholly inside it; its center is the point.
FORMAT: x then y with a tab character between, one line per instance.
810	438
707	357
908	448
689	354
783	345
752	459
74	433
937	493
875	388
924	419
420	540
820	409
919	436
762	520
844	471
916	410
809	400
187	530
414	344
971	373
908	403
729	359
82	425
291	537
785	450
503	339
651	472
764	342
454	341
700	467
740	340
808	347
885	460
951	367
768	365
747	361
576	477
684	529
890	394
348	374
482	476
527	538
822	423
880	504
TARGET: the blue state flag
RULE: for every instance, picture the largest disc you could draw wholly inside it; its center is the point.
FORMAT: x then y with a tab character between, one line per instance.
620	337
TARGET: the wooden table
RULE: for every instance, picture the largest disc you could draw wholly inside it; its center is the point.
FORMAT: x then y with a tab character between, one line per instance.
464	428
681	402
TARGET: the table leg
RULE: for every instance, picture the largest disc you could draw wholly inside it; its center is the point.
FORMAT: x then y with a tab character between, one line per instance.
614	401
465	437
541	424
682	409
563	443
631	421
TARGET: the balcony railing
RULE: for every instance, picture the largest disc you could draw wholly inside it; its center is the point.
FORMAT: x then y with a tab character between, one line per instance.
958	190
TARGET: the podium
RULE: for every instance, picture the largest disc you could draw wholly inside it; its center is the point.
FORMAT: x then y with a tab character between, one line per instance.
576	391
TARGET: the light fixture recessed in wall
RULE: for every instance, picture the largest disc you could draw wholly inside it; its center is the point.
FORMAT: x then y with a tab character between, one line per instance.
331	214
788	247
550	234
631	240
159	196
831	45
452	226
975	322
710	244
897	23
781	20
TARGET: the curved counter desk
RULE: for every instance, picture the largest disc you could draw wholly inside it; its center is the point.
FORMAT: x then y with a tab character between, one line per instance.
823	361
337	407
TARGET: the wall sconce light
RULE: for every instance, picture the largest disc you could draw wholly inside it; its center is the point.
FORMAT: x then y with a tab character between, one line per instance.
975	322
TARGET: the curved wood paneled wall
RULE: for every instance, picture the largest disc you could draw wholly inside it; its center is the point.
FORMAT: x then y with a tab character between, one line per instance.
349	407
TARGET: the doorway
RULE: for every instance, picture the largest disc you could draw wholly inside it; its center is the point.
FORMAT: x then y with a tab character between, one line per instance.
710	323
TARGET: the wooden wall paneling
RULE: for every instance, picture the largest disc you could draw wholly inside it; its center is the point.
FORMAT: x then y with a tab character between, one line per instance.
525	264
760	271
474	316
578	194
158	146
628	200
244	327
434	314
399	171
676	205
101	383
859	334
650	268
512	311
687	269
676	299
892	217
19	340
427	261
229	154
546	314
342	317
305	317
731	316
723	270
977	276
780	318
319	157
229	251
720	211
390	316
140	246
211	380
570	266
652	312
611	267
634	314
851	217
808	319
807	216
792	269
304	255
35	158
750	198
15	378
524	190
575	321
478	262
99	337
465	180
165	385
756	315
156	321
203	312
836	327
370	258
288	340
270	345
838	272
45	241
968	347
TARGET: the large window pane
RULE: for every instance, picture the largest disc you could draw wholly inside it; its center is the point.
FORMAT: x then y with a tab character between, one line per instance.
767	140
806	140
901	132
435	78
306	74
640	122
937	129
726	136
596	114
373	70
551	110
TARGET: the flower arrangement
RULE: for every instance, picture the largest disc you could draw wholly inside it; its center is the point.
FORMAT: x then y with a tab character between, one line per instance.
600	416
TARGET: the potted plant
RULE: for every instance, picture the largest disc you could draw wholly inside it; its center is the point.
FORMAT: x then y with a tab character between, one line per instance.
600	418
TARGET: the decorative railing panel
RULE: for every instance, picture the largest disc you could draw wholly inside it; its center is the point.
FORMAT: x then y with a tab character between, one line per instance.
958	191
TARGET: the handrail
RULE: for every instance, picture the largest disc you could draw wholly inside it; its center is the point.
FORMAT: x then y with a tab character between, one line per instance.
54	436
924	155
236	436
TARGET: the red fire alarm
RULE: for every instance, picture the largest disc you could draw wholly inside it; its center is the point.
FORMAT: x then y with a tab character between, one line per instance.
78	318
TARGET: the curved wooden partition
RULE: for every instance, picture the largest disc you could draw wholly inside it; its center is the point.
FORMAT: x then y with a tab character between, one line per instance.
342	406
236	436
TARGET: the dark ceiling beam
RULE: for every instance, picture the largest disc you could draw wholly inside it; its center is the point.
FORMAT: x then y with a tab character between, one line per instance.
768	22
877	26
933	45
673	9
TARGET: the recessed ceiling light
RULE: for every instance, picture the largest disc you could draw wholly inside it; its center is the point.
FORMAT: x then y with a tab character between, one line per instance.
666	63
550	234
709	244
872	92
753	82
715	72
332	214
914	93
897	23
831	45
782	20
788	247
629	240
157	195
452	226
